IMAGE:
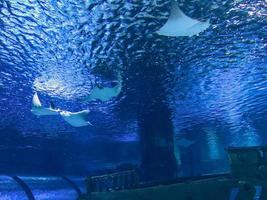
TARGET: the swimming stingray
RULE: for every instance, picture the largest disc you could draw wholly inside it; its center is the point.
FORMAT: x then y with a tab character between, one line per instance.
105	93
76	119
183	142
179	24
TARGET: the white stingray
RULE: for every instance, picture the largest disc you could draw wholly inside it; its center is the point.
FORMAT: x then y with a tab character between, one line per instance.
179	24
105	93
76	119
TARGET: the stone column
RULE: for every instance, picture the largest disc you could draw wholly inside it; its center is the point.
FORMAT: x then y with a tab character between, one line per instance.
155	125
156	141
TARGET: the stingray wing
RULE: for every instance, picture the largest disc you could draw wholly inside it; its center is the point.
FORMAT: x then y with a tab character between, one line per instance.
36	101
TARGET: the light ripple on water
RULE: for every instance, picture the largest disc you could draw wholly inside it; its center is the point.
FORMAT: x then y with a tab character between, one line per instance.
63	48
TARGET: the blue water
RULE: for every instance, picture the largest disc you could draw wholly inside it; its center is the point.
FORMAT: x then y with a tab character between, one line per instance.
214	84
45	188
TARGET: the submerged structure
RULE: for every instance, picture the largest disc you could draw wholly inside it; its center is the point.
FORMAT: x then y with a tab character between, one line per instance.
246	181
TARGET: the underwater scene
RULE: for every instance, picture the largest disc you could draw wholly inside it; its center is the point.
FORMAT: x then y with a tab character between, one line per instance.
133	99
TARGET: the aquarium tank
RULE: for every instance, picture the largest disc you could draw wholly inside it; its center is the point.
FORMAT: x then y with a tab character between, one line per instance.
160	87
